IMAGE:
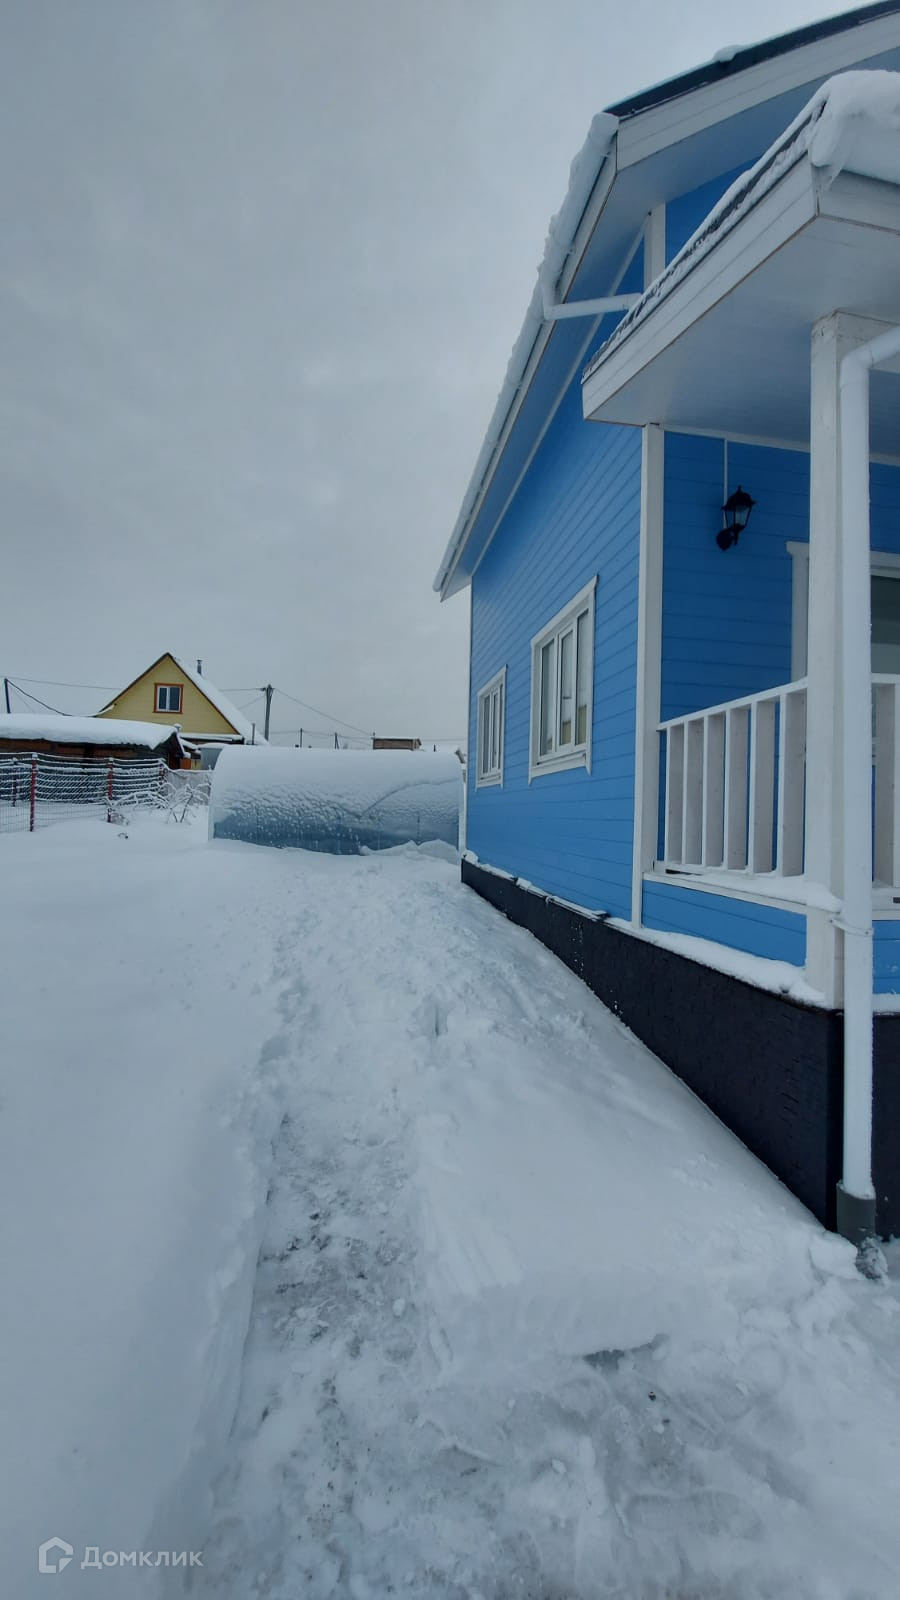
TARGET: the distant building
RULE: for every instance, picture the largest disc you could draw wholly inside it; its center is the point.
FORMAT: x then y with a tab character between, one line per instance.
170	692
85	739
396	744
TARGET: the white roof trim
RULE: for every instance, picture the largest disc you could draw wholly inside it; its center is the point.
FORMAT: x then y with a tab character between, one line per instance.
660	126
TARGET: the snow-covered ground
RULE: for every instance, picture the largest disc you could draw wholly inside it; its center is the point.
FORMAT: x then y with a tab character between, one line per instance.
527	1320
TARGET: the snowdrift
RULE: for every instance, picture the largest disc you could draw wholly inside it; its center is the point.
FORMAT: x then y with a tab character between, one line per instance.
342	802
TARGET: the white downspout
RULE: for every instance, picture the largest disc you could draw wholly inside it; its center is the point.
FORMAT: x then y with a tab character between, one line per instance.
856	1194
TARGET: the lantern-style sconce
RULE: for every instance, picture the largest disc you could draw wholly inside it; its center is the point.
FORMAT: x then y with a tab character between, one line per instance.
736	513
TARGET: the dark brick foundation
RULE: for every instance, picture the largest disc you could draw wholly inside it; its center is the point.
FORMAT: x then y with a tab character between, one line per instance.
770	1067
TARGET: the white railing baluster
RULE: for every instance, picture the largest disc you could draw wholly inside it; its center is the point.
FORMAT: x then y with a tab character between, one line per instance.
713	790
692	814
791	775
762	785
674	791
737	771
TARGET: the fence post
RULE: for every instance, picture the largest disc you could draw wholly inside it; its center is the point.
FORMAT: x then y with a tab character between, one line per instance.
110	772
33	793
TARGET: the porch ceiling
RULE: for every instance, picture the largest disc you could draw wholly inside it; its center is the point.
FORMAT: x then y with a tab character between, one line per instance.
727	348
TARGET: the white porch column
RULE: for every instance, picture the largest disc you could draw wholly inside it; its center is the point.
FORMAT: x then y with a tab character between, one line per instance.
823	783
832	338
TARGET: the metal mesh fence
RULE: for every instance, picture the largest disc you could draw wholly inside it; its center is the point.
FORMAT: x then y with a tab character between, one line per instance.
36	790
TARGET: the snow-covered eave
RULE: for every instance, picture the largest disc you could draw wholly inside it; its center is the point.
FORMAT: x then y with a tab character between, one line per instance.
850	124
596	159
75	730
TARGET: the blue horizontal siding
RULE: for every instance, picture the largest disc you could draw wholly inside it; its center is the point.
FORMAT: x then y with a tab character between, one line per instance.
727	614
575	516
741	924
887	958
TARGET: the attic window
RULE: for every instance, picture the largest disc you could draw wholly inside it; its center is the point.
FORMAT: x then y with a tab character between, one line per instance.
562	684
168	696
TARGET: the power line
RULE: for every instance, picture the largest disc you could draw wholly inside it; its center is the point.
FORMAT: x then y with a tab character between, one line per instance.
55	709
326	715
112	688
51	683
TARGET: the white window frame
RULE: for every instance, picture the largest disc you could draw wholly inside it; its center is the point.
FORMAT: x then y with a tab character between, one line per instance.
491	703
883	564
570	754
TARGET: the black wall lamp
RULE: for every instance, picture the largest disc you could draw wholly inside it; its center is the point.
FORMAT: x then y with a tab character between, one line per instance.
736	511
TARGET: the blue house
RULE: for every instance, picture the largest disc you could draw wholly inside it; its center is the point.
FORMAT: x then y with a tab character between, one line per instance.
681	543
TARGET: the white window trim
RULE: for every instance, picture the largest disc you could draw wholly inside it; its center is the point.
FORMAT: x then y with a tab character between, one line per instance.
493	778
580	756
884	564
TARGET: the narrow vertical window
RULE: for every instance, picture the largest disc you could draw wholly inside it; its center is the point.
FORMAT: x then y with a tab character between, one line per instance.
585	654
490	730
562	680
566	690
548	697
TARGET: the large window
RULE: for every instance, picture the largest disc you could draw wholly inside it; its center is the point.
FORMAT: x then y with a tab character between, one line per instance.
491	717
885	566
168	697
562	682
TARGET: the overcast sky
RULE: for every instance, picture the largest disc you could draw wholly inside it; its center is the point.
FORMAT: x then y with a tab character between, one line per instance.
263	265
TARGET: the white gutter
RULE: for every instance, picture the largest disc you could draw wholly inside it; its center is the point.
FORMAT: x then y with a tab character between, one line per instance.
856	1193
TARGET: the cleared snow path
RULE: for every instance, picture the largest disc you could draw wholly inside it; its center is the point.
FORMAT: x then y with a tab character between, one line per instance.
528	1321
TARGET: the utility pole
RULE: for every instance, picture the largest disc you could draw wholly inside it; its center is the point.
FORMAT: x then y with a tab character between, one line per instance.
6	692
268	691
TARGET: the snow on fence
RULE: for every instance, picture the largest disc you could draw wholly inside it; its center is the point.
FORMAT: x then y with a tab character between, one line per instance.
36	790
342	802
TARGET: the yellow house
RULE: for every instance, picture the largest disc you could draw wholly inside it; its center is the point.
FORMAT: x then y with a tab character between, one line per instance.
173	693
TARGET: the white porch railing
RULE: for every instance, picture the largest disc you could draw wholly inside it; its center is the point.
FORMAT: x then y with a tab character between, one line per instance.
735	784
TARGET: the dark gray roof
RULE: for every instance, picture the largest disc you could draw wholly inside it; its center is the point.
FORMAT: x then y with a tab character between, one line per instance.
715	71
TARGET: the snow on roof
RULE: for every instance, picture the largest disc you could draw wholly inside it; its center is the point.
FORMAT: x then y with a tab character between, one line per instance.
84	730
851	124
583	175
221	701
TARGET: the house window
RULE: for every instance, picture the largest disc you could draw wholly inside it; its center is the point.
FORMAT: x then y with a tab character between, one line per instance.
886	622
562	683
491	717
168	697
885	567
